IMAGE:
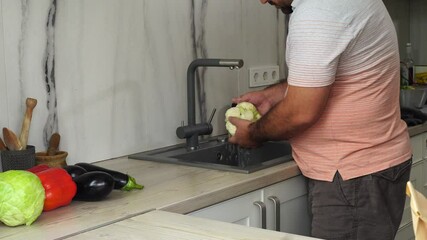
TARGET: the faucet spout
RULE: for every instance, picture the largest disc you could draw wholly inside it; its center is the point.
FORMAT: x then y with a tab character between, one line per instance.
196	129
191	82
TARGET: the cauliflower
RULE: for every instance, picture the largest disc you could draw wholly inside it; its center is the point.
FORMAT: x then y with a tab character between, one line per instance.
243	110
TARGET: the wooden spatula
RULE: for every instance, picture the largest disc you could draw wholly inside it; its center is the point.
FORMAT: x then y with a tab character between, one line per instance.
11	140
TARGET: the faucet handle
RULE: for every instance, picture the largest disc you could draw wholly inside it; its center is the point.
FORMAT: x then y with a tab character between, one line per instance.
197	129
194	130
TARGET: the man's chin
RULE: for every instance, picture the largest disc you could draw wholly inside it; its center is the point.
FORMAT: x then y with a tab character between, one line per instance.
286	10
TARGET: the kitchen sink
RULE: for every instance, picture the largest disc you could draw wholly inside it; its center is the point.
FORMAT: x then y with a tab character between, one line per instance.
217	153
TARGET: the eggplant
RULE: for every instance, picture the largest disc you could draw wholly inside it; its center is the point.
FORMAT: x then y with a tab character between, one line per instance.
122	181
93	186
74	170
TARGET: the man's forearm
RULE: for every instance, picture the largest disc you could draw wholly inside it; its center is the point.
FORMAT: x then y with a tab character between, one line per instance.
276	125
293	114
276	92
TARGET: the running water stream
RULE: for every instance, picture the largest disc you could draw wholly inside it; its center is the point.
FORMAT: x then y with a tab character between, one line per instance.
237	155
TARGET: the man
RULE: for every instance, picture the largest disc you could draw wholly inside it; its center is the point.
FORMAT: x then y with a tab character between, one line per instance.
340	111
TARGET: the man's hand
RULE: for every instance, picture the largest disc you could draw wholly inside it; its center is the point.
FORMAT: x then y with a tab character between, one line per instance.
264	99
257	98
242	136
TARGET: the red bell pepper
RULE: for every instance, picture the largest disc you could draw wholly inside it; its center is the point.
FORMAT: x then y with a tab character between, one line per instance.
38	168
59	188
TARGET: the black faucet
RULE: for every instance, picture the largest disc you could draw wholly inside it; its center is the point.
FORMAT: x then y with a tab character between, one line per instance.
192	131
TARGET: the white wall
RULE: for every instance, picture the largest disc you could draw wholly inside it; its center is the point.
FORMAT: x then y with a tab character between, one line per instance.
115	81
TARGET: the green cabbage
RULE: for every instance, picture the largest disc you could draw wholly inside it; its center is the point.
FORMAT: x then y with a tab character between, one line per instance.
21	197
243	110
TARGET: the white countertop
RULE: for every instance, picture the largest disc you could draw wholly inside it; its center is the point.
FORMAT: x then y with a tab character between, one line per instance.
174	188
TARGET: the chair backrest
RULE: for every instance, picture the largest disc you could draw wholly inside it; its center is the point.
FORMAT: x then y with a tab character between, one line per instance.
418	211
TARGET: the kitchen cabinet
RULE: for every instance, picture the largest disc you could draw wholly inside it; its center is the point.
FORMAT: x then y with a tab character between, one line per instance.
293	210
419	180
240	210
405	233
406	223
423	185
281	207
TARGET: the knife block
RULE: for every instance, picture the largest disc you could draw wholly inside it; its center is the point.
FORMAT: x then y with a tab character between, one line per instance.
18	159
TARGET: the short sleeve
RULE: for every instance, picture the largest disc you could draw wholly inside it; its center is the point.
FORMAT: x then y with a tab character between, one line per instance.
316	40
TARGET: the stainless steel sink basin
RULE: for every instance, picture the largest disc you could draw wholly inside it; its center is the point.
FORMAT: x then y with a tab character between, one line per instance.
217	154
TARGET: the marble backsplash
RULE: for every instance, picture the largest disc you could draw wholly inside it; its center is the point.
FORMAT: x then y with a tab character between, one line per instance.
110	76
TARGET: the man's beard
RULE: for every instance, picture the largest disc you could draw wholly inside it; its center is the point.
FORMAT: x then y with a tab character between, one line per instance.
285	10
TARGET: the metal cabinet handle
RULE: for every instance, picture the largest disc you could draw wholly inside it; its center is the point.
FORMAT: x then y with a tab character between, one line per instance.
276	203
262	210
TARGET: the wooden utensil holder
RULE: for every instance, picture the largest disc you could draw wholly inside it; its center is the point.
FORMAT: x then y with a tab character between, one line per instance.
57	160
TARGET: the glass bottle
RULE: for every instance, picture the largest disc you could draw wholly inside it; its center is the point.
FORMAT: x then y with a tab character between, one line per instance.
409	65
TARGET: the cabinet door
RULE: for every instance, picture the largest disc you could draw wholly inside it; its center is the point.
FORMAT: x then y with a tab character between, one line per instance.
405	233
423	189
416	179
294	215
417	144
240	210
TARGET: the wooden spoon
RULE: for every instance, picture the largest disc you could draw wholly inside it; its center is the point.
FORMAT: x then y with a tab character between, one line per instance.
53	144
11	140
23	138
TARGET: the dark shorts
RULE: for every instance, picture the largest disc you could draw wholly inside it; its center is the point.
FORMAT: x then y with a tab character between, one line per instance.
368	207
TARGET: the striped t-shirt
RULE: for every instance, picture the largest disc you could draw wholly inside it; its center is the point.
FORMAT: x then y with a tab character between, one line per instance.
351	44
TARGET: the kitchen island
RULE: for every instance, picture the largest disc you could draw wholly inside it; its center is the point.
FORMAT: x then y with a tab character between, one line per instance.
160	225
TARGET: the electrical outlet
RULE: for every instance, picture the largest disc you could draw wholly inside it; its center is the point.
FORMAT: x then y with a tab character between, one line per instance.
263	76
